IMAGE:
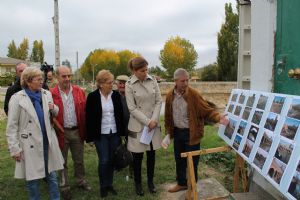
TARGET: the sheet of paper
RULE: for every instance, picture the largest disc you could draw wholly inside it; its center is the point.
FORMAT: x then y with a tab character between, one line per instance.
146	137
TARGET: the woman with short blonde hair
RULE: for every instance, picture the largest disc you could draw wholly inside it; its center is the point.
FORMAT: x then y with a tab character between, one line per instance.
29	74
104	125
32	141
103	76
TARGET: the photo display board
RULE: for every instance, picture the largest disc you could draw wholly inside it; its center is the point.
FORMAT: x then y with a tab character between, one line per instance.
264	129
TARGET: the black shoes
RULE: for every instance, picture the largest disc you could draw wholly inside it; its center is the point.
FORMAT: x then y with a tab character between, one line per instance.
151	187
103	192
111	190
139	190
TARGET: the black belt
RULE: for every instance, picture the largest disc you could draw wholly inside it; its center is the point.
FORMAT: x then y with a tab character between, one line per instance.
71	128
181	129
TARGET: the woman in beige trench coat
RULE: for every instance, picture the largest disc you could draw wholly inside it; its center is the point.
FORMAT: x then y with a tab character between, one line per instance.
31	139
144	104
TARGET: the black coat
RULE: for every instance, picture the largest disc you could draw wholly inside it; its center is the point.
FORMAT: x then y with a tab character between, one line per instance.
16	87
94	115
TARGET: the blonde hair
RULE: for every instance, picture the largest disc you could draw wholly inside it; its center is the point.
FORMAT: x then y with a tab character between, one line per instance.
103	76
28	74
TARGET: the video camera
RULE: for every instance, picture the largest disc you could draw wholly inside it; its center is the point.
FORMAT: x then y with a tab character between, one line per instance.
46	68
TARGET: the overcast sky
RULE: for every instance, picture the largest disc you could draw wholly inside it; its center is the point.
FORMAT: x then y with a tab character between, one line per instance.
138	25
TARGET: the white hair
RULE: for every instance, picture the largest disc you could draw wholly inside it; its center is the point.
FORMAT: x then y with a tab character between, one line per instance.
180	72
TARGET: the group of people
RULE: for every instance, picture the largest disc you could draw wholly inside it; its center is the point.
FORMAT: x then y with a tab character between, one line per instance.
44	125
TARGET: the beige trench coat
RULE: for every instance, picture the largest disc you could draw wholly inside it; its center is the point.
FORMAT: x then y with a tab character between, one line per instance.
144	103
24	135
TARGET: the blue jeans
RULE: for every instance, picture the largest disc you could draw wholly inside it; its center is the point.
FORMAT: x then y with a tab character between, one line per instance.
181	144
105	150
34	191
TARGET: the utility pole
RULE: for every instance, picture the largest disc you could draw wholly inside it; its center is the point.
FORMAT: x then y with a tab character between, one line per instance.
56	32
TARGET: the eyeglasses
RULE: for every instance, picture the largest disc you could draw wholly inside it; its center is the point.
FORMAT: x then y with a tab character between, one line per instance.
38	80
109	82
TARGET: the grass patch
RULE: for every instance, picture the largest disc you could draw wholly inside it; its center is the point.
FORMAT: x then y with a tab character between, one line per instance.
11	188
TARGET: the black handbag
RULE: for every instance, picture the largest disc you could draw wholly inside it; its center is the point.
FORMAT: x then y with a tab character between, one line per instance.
122	157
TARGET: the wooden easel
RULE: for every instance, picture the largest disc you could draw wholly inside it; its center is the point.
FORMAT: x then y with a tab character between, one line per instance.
238	171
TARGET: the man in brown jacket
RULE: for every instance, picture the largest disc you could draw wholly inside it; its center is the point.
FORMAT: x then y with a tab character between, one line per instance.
185	112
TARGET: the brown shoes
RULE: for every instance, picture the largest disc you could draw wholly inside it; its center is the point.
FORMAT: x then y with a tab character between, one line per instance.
85	186
177	188
66	194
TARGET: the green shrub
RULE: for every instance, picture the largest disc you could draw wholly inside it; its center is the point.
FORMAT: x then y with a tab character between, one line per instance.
7	78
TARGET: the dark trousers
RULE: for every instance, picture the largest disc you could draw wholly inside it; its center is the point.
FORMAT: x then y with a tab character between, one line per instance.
105	150
181	144
137	166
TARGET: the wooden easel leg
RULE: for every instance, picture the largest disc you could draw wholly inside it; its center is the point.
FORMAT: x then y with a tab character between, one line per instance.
239	170
192	187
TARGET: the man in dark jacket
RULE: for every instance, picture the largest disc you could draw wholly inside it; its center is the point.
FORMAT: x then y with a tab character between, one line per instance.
16	87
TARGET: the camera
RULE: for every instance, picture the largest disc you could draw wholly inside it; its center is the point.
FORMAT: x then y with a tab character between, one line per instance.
46	68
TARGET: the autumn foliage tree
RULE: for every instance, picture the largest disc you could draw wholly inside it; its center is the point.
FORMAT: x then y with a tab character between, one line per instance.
20	52
37	53
178	52
111	60
228	46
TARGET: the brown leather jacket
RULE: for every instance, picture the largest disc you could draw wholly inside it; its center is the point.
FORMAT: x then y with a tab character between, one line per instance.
198	111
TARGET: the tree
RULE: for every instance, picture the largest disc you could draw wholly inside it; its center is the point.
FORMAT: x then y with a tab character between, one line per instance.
12	50
34	53
228	46
37	53
210	72
41	52
125	56
23	49
178	52
157	71
111	60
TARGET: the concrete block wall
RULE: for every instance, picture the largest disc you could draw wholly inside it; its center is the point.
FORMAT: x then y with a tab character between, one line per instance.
216	92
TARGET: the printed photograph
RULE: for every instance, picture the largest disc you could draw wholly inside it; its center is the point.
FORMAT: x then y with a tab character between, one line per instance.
294	188
230	128
284	151
266	141
230	108
257	117
250	100
276	170
253	131
242	98
271	121
237	142
294	110
234	97
248	148
246	113
242	127
260	158
289	128
262	101
277	104
237	110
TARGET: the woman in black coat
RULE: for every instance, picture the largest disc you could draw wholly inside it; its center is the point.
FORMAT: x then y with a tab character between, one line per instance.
105	125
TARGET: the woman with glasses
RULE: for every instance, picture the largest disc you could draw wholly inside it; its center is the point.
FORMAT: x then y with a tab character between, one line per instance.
104	124
32	141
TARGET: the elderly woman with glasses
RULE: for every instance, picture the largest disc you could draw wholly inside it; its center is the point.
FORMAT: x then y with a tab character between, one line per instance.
31	138
105	125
